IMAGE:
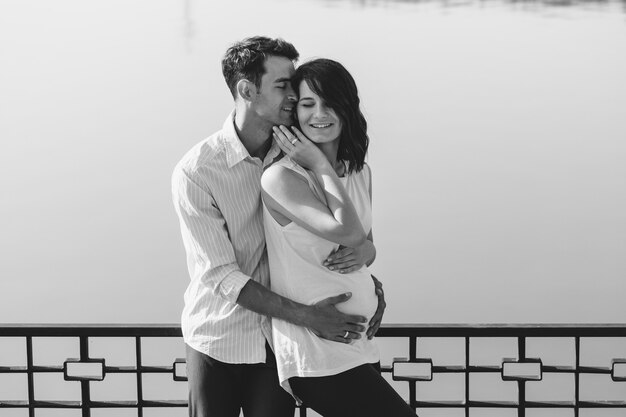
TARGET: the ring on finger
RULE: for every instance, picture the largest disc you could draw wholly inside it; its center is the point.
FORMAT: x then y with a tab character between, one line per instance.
294	140
345	336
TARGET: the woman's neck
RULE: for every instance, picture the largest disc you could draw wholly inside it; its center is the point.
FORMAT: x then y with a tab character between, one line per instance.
330	149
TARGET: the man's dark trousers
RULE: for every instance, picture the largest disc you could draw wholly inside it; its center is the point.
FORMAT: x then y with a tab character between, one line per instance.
218	389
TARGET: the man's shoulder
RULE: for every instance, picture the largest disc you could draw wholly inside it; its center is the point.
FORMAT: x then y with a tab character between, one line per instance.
205	153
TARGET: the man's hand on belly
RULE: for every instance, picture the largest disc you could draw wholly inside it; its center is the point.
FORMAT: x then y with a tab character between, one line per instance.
325	321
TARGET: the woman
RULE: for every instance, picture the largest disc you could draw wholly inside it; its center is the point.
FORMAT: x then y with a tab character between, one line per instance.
309	211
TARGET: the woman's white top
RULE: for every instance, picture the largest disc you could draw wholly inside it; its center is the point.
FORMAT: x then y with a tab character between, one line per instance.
296	272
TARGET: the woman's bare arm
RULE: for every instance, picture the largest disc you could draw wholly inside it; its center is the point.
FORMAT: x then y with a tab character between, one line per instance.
288	193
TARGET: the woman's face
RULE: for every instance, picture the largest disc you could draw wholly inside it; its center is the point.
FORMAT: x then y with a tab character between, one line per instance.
318	122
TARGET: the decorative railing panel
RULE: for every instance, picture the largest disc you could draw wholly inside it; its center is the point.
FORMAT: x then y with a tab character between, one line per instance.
527	377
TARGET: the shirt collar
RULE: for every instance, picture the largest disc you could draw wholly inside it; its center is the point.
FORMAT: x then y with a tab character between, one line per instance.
235	151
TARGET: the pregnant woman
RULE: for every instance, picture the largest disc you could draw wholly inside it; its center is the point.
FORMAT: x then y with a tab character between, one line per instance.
313	207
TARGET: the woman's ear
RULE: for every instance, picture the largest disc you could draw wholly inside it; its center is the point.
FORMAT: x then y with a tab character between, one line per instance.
246	90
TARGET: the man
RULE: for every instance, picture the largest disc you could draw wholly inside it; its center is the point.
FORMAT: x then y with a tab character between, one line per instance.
216	192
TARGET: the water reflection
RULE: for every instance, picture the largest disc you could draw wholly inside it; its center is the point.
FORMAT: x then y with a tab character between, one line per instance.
538	4
188	24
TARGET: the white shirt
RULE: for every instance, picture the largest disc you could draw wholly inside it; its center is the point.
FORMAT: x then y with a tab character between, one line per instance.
216	188
296	257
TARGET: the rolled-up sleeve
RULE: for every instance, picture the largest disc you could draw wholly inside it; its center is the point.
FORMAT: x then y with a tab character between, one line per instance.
210	254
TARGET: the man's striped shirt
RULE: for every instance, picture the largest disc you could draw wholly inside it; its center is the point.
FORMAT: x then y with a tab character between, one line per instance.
216	189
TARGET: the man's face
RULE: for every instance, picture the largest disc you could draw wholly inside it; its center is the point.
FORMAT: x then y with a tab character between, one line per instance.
275	100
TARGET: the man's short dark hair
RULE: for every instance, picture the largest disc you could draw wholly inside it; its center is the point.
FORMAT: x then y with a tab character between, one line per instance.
245	59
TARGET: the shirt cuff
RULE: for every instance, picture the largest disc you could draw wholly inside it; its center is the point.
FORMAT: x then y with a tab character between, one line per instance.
231	286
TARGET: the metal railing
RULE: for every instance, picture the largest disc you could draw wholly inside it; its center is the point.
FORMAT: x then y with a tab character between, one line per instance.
412	370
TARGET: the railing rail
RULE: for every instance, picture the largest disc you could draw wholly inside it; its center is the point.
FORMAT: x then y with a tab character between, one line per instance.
412	370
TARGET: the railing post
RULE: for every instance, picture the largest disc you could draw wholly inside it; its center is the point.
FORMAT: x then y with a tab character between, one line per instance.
412	384
467	376
84	385
139	379
521	353
577	376
29	371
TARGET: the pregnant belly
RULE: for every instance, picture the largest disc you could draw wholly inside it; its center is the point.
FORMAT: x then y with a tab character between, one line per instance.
364	300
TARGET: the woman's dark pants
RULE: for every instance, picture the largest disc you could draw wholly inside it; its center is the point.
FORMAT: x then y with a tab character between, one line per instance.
358	392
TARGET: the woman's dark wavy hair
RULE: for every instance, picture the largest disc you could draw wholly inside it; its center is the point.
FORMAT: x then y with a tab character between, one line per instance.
246	59
334	84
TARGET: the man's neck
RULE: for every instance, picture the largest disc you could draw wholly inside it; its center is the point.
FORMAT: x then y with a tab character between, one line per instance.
255	135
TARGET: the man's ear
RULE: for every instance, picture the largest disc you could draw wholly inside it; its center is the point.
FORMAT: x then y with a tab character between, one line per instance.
246	90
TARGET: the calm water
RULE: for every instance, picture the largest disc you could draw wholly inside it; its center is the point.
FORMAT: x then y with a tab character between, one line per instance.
498	145
498	140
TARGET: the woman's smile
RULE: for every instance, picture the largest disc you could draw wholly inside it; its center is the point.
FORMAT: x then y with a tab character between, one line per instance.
319	122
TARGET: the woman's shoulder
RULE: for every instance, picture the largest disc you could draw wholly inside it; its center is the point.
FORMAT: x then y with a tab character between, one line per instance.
287	177
362	179
287	163
364	173
367	171
283	170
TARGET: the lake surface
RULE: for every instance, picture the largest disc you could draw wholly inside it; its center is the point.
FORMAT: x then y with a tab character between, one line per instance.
498	144
498	141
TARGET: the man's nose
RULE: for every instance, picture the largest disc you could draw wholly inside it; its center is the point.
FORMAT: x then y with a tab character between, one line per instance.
291	94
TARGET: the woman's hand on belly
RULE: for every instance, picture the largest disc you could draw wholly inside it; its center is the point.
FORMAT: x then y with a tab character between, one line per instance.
345	260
